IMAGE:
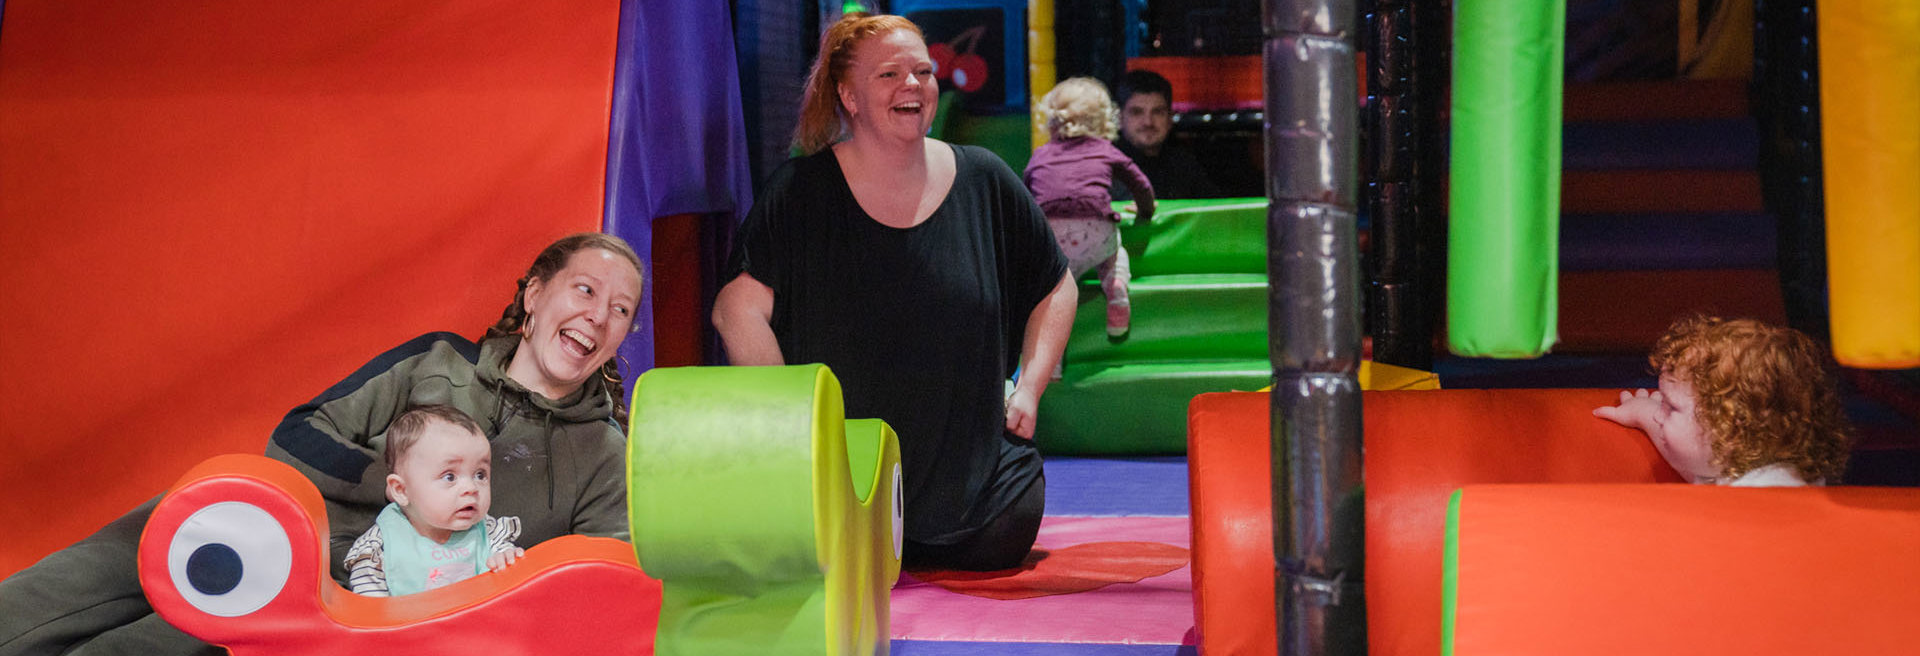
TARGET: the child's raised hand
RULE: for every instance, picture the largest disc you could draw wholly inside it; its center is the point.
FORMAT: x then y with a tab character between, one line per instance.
1637	409
501	559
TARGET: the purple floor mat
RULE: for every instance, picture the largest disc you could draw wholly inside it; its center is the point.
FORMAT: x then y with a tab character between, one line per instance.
1117	487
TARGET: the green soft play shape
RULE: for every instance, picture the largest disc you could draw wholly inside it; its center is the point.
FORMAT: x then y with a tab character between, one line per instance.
1178	317
1135	409
1450	577
769	519
1215	235
1504	209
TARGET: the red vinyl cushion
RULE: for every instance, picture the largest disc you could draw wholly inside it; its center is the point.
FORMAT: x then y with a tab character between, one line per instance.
1420	446
569	595
1577	570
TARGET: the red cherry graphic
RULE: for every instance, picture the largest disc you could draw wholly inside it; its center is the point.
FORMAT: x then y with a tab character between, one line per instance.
969	72
942	55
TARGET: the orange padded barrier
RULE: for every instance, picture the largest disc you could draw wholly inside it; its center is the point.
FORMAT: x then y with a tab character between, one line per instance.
1420	446
1577	570
272	595
213	211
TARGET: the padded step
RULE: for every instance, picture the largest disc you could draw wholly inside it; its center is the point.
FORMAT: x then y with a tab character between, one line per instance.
1135	409
1626	311
1220	235
1713	143
1177	317
1657	191
1666	241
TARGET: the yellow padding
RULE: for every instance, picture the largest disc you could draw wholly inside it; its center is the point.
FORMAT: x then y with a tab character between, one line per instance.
1870	105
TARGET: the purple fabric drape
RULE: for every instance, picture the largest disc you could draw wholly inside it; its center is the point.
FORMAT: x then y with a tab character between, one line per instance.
677	143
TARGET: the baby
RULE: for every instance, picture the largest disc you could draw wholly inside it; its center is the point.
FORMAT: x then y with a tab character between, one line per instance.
436	530
1070	178
1740	403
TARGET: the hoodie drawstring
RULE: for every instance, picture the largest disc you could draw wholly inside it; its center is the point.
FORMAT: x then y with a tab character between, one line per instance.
546	434
548	422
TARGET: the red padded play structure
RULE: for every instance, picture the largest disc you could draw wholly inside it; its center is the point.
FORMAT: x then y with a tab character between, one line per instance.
1591	570
216	210
236	555
1420	446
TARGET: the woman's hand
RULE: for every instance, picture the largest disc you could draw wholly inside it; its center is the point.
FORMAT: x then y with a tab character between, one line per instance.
1022	406
501	559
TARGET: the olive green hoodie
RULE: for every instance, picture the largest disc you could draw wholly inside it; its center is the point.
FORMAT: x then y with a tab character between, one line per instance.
558	465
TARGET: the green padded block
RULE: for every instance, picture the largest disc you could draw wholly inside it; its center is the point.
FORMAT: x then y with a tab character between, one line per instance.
1178	317
1135	409
771	521
1503	207
1009	136
1214	235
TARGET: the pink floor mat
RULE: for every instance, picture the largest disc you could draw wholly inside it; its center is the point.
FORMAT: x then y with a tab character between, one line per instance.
1087	595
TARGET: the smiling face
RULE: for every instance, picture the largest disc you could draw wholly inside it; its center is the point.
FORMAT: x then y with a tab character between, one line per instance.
444	481
578	318
1681	438
889	91
1145	121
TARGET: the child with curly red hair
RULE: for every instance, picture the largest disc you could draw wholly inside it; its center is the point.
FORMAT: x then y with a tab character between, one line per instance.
1741	402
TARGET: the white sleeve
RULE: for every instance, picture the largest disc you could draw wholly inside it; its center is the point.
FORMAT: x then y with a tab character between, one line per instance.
501	532
366	574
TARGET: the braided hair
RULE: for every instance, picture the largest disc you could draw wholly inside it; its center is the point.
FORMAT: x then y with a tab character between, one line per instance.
549	262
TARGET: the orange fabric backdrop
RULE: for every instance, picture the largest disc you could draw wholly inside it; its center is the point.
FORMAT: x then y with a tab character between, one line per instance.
211	211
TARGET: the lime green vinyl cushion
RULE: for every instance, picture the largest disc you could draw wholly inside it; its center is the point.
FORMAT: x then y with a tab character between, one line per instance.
770	519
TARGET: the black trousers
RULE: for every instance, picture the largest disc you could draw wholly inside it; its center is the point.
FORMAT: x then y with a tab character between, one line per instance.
85	600
1002	544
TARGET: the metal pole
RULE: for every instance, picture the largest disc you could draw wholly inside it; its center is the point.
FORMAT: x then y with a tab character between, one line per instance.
1399	172
1786	105
1313	324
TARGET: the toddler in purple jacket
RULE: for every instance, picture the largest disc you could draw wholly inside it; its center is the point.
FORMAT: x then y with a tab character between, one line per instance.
1069	177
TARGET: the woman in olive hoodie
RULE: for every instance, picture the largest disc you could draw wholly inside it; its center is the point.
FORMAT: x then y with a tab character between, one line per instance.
542	384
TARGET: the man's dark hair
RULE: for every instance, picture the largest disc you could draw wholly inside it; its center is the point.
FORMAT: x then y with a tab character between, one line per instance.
1142	81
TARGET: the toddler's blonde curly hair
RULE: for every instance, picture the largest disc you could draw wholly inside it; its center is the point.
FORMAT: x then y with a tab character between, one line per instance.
1077	107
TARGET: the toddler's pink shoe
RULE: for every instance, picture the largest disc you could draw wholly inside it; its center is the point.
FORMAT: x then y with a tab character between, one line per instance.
1118	316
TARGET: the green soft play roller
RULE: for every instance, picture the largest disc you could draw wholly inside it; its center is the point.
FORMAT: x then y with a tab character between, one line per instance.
771	520
1504	198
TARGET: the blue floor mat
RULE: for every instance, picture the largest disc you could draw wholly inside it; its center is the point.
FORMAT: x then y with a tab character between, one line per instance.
1117	487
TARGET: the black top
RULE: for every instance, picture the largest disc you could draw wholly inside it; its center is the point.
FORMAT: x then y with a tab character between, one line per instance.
1175	172
922	325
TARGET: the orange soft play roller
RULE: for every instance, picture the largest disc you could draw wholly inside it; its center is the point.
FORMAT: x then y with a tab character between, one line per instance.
1653	570
1420	446
1870	124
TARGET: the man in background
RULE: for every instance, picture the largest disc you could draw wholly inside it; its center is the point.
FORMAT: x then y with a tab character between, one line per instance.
1146	120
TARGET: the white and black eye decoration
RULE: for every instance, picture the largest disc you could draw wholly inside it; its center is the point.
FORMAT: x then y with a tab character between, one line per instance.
899	514
229	559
